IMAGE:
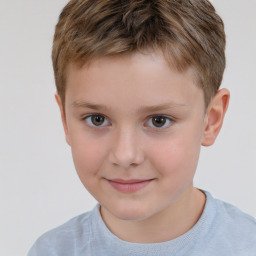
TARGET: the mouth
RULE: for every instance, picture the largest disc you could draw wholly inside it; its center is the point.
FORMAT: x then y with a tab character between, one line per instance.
129	186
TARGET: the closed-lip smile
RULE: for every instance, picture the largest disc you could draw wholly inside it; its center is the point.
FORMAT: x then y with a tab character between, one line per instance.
129	186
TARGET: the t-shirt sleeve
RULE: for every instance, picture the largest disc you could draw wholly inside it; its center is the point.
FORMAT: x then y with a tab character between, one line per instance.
41	247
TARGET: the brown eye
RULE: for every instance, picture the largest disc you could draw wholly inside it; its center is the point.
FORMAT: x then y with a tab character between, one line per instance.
159	121
96	120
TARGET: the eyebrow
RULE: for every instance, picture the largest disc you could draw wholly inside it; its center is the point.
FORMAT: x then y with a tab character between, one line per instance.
90	105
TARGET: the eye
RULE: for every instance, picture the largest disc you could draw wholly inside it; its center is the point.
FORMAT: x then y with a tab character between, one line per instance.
159	122
96	120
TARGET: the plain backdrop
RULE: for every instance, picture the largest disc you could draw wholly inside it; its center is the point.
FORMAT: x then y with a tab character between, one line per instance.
39	188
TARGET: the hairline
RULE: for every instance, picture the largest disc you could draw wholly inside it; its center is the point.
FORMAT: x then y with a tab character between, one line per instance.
80	63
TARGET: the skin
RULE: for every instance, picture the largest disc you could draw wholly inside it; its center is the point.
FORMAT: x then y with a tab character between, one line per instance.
128	144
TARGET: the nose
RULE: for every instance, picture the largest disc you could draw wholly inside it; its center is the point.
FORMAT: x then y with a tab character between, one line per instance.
126	150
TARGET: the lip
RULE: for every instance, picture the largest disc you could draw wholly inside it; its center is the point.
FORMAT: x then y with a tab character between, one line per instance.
129	186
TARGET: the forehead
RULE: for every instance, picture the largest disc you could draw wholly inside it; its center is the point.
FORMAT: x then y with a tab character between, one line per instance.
138	79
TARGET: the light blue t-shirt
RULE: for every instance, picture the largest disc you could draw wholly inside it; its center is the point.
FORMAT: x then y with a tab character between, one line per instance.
222	230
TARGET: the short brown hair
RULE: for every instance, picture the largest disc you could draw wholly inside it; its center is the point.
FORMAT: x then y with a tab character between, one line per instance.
189	33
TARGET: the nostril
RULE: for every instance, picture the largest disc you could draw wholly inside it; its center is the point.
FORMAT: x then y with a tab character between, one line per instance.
126	159
126	151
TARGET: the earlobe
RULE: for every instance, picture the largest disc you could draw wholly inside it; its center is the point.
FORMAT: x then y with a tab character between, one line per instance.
63	117
215	116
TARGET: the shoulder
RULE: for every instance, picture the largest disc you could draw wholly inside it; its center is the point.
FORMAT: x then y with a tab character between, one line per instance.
63	239
236	218
235	227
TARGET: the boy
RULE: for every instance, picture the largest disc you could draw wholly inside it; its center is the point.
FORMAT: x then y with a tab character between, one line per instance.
138	91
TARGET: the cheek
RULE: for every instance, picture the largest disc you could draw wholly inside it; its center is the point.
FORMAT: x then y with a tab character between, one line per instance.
176	157
176	164
87	156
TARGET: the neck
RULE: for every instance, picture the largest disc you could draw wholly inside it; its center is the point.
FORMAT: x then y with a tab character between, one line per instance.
166	225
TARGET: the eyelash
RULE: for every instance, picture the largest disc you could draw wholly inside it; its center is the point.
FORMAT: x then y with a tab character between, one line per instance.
167	119
88	116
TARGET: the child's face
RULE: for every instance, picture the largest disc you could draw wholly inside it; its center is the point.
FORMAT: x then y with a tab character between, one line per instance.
135	127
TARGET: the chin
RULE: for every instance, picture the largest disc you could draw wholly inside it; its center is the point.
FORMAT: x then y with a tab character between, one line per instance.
131	212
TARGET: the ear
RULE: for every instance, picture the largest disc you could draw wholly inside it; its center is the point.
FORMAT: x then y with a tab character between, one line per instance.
214	116
63	117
